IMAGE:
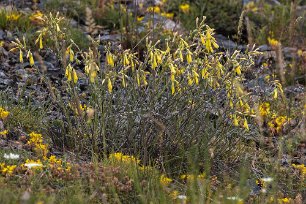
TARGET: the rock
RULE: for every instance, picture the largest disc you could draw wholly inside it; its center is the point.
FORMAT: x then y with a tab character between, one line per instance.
290	53
2	34
22	74
228	44
110	37
171	25
264	48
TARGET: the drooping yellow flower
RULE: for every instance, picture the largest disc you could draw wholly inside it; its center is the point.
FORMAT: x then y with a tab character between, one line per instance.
189	57
185	8
30	57
109	85
92	76
209	40
74	76
245	124
20	56
275	93
110	59
235	121
40	43
238	70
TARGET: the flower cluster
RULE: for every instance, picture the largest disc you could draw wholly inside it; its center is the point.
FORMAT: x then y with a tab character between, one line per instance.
3	113
264	109
36	143
123	158
164	180
7	170
276	124
301	168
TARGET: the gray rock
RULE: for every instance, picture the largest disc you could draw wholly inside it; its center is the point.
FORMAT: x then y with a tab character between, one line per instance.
264	48
2	34
110	37
228	44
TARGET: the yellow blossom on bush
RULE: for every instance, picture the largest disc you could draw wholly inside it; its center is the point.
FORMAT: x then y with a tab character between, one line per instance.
284	200
140	18
187	177
164	180
174	194
7	169
185	8
36	141
123	158
37	17
277	123
3	113
167	15
301	168
3	133
264	109
273	42
154	9
35	138
41	149
13	17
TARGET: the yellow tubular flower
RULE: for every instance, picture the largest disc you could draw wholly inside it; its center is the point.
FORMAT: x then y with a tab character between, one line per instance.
74	76
92	76
40	42
245	124
110	59
235	121
30	57
189	57
275	93
238	70
68	72
20	56
109	85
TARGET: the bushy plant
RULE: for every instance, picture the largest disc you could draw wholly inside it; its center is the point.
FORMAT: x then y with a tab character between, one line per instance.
222	15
